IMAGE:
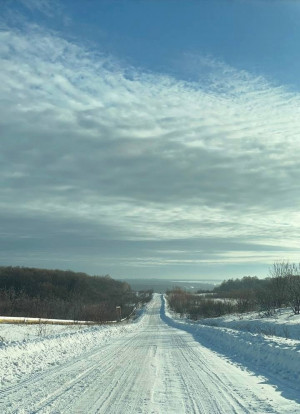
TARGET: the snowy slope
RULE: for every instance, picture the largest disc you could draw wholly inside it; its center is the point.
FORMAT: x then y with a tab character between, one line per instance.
21	332
284	323
28	349
275	357
147	367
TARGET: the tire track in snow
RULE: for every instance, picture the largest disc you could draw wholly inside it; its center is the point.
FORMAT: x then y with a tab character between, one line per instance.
81	368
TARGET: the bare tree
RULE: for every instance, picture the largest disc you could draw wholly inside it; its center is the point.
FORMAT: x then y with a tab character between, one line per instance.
285	285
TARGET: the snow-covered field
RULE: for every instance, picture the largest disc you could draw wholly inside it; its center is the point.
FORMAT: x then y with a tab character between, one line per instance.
149	366
22	332
284	323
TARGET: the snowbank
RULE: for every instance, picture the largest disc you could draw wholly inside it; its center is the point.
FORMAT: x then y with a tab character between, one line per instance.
20	319
42	350
283	323
264	355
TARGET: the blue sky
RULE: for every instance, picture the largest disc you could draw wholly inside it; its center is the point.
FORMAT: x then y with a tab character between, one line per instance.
150	138
260	36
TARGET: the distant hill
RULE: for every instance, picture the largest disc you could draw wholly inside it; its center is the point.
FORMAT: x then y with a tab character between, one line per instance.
162	285
62	294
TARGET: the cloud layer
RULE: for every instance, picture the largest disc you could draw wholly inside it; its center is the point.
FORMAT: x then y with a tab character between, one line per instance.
101	153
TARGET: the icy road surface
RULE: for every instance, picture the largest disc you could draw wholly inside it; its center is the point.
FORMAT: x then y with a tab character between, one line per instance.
154	368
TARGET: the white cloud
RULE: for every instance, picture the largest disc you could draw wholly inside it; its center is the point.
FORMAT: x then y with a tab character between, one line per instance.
147	155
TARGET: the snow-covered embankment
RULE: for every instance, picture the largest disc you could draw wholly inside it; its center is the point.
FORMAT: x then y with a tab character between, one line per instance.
269	356
21	358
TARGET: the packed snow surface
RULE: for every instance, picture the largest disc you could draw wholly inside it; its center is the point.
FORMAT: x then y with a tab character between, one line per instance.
159	364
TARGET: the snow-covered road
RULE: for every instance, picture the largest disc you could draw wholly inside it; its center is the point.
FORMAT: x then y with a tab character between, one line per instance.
154	368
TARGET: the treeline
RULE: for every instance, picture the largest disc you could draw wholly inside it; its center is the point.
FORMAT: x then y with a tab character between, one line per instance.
195	306
61	294
281	289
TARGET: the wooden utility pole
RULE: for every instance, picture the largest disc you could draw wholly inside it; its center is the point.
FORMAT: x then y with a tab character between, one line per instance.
118	312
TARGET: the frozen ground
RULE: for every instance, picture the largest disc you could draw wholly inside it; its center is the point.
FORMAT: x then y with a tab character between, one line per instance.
150	366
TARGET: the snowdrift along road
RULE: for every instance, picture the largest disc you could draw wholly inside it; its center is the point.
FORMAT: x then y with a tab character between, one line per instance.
146	367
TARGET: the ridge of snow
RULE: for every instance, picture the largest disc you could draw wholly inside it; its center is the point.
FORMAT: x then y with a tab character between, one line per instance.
22	358
267	356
